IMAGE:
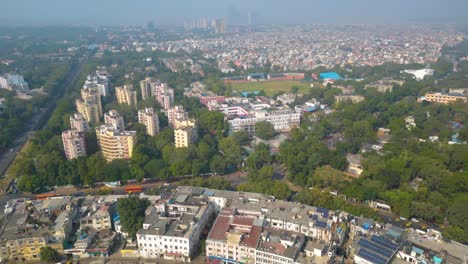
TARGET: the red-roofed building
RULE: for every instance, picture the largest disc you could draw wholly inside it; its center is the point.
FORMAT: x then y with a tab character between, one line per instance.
233	238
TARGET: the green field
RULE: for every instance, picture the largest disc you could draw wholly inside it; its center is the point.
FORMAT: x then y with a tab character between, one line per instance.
270	87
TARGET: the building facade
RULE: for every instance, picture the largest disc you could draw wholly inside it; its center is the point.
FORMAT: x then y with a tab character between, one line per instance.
150	119
78	123
114	118
126	95
115	144
443	98
74	144
185	133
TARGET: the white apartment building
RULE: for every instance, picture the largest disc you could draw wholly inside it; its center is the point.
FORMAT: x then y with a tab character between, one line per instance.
282	120
172	230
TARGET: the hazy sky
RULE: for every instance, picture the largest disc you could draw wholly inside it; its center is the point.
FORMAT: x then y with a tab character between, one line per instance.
131	12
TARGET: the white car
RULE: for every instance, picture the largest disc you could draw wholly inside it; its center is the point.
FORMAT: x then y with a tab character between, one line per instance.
414	220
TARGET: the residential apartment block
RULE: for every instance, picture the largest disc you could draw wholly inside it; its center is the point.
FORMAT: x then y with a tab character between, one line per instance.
92	94
78	123
172	230
114	118
89	109
176	113
443	98
99	81
185	133
114	143
150	120
164	95
126	95
147	86
74	144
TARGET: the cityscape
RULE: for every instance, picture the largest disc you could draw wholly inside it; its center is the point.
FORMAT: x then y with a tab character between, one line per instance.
248	135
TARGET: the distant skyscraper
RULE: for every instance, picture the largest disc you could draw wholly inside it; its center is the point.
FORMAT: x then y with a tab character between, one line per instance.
114	118
74	144
79	123
219	25
150	119
126	95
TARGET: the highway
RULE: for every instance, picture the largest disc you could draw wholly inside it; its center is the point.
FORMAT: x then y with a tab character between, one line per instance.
39	119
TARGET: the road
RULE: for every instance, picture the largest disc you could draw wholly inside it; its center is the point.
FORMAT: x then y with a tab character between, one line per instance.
39	118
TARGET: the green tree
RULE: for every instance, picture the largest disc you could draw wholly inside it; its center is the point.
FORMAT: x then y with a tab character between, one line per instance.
264	130
49	254
132	214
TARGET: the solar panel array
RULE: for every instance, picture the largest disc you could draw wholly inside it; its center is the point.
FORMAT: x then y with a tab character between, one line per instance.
374	258
384	242
366	244
320	224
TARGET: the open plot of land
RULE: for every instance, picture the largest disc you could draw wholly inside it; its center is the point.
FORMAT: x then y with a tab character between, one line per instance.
270	87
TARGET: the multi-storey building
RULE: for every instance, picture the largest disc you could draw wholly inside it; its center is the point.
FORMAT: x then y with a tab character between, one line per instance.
115	144
278	247
233	238
185	133
89	108
74	144
150	119
114	118
13	82
164	95
148	86
172	230
349	98
98	81
97	218
91	93
78	123
176	113
126	95
282	120
443	98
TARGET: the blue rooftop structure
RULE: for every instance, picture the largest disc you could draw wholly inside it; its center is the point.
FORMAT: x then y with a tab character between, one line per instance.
245	94
330	75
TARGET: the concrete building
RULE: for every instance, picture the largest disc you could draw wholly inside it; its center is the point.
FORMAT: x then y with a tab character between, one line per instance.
115	144
126	95
164	95
147	86
443	98
185	133
354	164
78	123
172	230
74	144
97	218
176	113
114	118
349	98
420	74
13	82
98	81
92	94
233	238
150	119
279	247
282	120
89	109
